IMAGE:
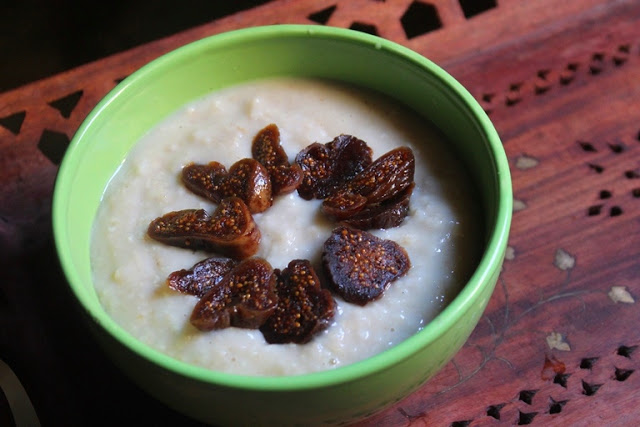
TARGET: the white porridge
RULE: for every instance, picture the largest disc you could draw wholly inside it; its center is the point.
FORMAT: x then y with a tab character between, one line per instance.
441	234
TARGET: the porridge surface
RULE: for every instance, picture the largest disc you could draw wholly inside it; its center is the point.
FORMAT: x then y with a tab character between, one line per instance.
440	233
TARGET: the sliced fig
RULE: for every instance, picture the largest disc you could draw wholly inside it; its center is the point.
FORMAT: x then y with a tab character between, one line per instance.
343	204
244	298
382	185
387	176
230	231
266	149
203	179
360	266
203	276
285	178
246	178
304	307
387	214
326	167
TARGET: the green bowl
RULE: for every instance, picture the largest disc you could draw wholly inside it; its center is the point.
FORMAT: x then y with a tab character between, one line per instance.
147	96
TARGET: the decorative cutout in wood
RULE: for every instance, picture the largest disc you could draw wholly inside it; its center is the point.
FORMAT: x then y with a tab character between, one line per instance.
568	75
322	16
365	28
623	374
585	388
546	78
621	55
590	389
471	8
587	363
493	411
53	145
527	396
606	195
526	418
561	379
13	122
67	103
542	83
420	18
597	63
555	406
625	351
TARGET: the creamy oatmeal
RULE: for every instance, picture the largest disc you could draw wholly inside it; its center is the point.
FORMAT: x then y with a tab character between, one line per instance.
442	233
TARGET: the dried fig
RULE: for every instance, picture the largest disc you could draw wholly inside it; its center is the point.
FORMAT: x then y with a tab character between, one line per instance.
247	179
387	214
244	298
304	308
385	177
385	184
203	276
360	266
266	149
326	167
230	231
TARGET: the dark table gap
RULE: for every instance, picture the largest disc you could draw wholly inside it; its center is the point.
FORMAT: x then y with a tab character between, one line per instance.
41	38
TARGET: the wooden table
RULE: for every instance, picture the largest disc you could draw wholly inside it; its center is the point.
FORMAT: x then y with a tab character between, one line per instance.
558	344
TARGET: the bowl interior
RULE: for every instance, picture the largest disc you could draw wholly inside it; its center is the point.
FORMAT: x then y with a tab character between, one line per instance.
158	89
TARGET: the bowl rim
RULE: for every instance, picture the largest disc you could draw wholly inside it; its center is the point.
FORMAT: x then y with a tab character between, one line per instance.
490	260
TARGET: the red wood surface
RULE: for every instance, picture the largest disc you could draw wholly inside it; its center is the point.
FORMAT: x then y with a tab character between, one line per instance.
558	344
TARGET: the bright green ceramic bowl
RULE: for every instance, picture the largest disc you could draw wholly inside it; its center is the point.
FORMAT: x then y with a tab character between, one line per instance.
159	88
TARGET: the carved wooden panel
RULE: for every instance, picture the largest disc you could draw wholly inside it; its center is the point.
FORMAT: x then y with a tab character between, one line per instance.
558	344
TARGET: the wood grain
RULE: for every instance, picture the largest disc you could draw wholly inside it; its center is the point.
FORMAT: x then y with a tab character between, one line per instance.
558	79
